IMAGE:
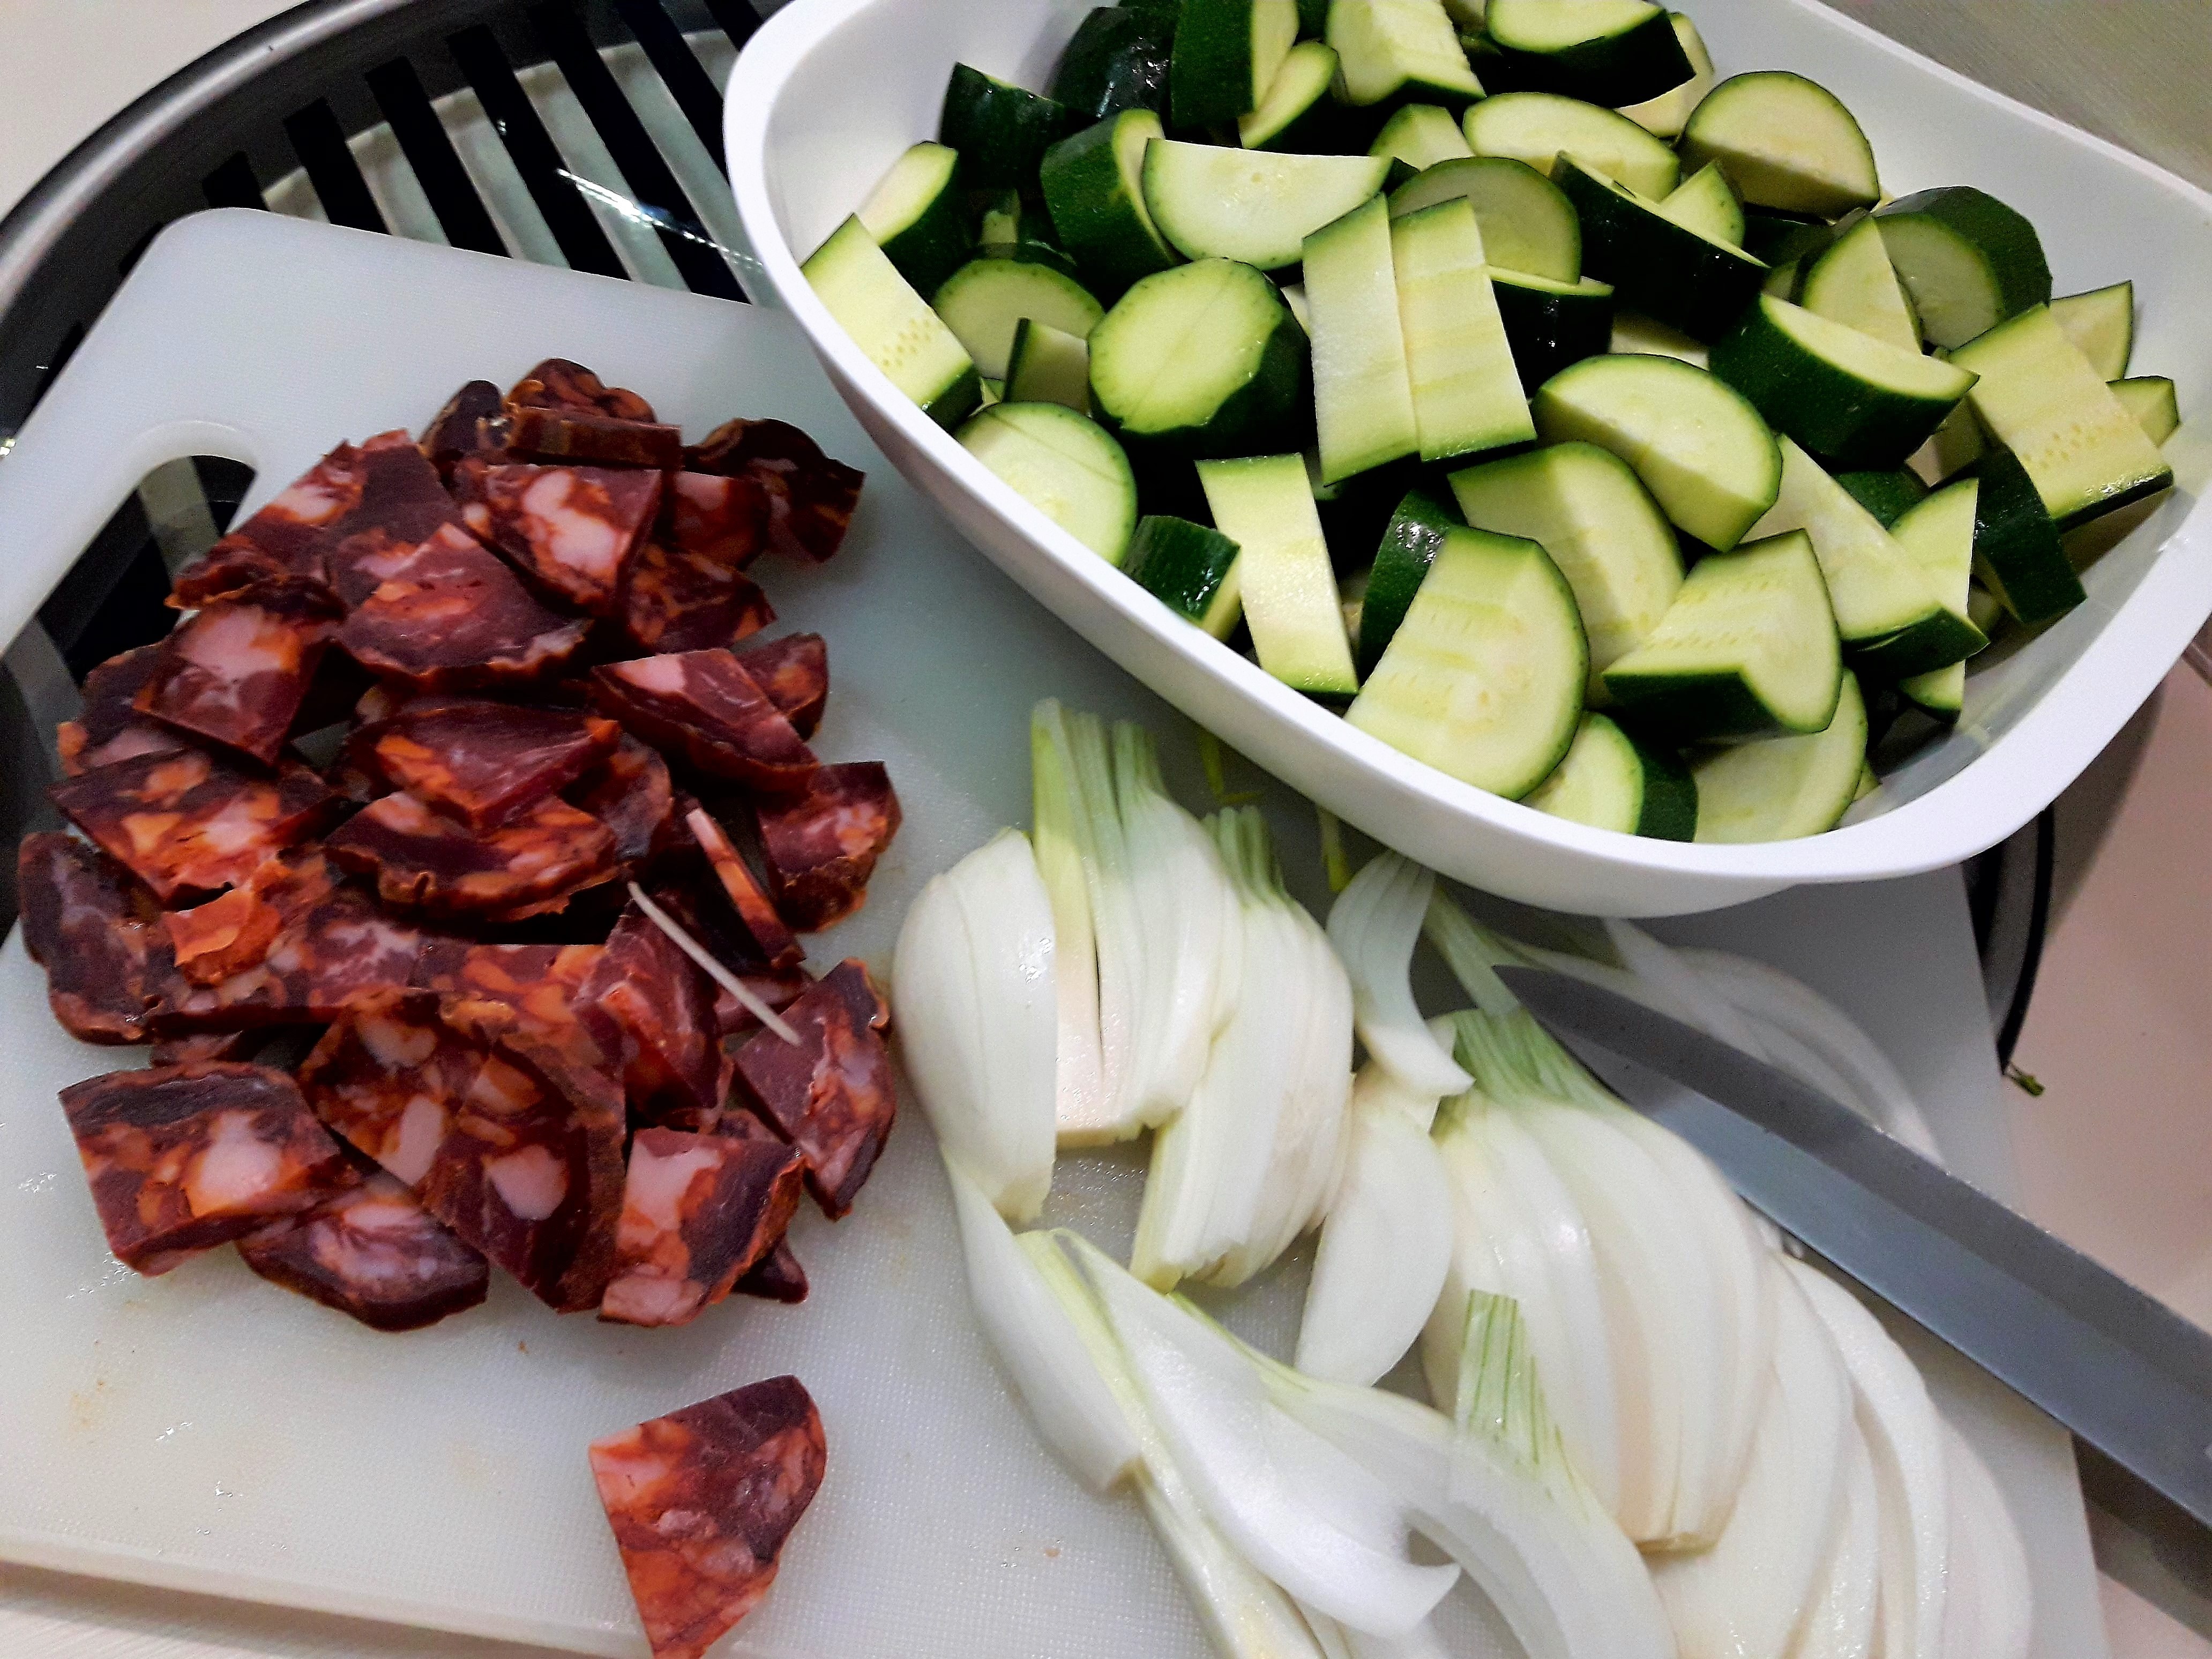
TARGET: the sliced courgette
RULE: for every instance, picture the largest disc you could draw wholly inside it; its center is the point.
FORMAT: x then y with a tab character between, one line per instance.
1786	143
1094	188
1854	283
2151	400
1257	206
1608	51
1408	547
1001	130
1610	781
1362	388
1118	60
2042	399
1850	398
1885	494
982	301
1297	113
1397	51
1703	452
2102	323
915	215
1941	694
1483	679
1672	272
1466	393
1938	535
1536	127
1635	334
1192	568
1420	136
1202	360
1065	466
1706	202
1226	55
1748	646
1665	115
892	325
1551	324
1048	365
2017	554
1784	788
1968	261
1527	223
1264	504
1014	228
1587	509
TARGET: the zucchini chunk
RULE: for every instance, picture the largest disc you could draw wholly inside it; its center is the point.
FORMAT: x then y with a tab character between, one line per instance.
1063	465
1968	261
1191	568
1265	505
1537	127
1094	188
1420	136
1527	223
1608	51
1363	384
2102	323
1938	535
1853	283
982	301
914	213
1049	366
2151	400
1941	694
1552	325
1610	781
1785	788
1676	274
1665	115
1226	55
1118	60
1202	360
1013	227
1408	547
1297	114
892	325
1397	51
2017	556
1001	130
1885	494
1786	143
1706	202
1256	206
1466	393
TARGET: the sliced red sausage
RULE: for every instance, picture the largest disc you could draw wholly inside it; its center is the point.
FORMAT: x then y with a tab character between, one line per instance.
486	762
186	1158
189	824
702	706
572	529
794	671
556	383
698	1212
530	990
109	728
449	616
329	952
701	1501
811	497
773	941
822	840
555	434
287	538
374	1253
237	672
830	1093
403	502
702	911
631	792
776	1277
206	1046
675	598
424	860
92	928
653	1012
473	423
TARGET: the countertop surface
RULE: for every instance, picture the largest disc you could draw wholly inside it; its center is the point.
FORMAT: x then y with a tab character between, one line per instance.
2115	1154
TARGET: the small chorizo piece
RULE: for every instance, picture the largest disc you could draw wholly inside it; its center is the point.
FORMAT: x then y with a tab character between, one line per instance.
698	1212
485	763
287	538
403	502
236	673
776	1277
206	1046
557	383
572	529
710	918
830	1093
527	997
774	942
555	435
92	928
702	706
811	497
186	1158
109	728
653	1013
675	599
373	1252
631	792
718	518
473	423
388	1076
189	824
330	951
794	671
211	942
449	616
424	860
701	1501
823	841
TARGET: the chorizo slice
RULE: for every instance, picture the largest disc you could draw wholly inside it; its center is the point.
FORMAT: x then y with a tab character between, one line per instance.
572	529
811	497
698	1212
830	1094
189	824
237	672
92	928
186	1157
388	1076
774	942
631	792
205	1046
558	435
701	1501
675	598
716	517
403	502
211	942
653	1013
710	918
449	616
109	728
372	1252
473	423
287	538
703	706
557	383
822	840
423	861
527	997
794	671
776	1277
486	762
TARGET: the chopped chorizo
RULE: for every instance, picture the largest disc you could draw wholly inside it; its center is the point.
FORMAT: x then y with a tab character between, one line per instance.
829	1093
556	383
701	1502
448	615
189	824
653	1013
425	860
675	599
92	928
186	1158
631	792
388	1076
794	671
527	997
698	1212
212	941
473	423
287	538
776	1277
823	841
555	435
372	1251
811	497
328	953
773	941
237	672
710	918
703	706
403	502
722	519
109	728
206	1046
571	528
486	762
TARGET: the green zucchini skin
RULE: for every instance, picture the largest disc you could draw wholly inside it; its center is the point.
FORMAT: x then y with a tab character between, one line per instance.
1885	493
1102	222
1610	70
1552	326
1186	566
1670	795
2016	549
1658	267
2010	253
1269	412
1118	60
1001	132
1409	546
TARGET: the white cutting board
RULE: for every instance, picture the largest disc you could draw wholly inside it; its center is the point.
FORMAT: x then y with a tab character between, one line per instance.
209	1431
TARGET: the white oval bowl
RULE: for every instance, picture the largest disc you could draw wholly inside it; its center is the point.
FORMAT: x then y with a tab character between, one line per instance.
830	91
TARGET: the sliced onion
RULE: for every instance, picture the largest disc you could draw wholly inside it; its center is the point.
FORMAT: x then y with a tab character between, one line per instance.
1841	1623
1064	850
1375	924
1989	1611
1699	1004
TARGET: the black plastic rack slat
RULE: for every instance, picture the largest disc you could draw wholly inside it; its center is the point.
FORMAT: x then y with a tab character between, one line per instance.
453	195
735	18
320	143
232	184
680	71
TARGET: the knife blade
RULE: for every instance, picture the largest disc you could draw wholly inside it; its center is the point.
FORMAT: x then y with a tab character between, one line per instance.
2126	1374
